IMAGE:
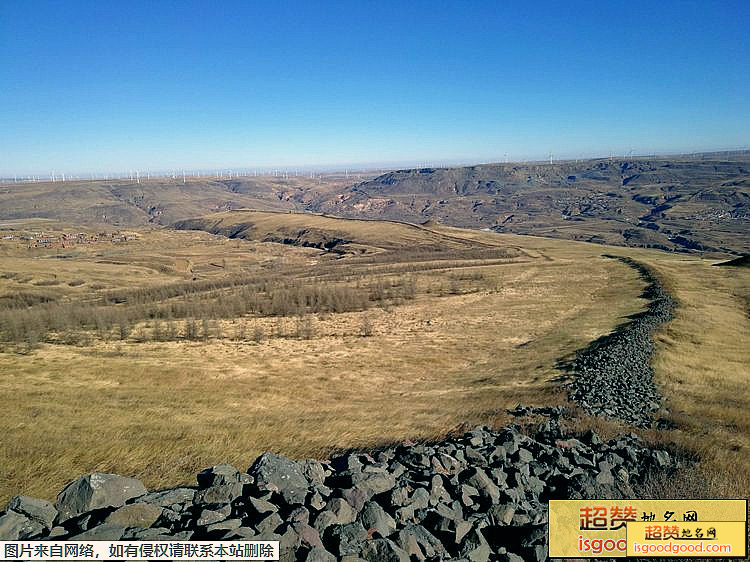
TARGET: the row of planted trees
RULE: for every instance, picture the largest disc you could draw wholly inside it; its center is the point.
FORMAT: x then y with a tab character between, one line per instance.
192	316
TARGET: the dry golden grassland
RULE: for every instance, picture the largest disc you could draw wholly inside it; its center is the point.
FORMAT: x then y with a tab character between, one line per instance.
475	337
703	366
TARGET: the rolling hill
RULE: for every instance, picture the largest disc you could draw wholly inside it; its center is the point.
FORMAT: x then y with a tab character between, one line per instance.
337	235
690	204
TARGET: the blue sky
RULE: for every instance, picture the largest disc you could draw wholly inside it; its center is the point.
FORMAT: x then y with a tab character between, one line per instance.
103	86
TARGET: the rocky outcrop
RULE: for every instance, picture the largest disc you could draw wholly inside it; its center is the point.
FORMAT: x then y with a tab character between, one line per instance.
481	496
613	376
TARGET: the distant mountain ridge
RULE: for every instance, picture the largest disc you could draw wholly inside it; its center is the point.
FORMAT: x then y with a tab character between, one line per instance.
673	205
676	204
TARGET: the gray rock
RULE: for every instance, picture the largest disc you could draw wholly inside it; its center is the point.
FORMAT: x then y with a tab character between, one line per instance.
324	520
345	539
144	534
313	471
309	536
218	475
95	491
417	541
319	554
219	494
169	498
501	515
209	516
40	511
57	532
260	507
342	510
661	459
279	474
373	482
269	524
100	533
356	497
226	525
141	515
242	533
484	485
288	545
15	526
383	550
375	519
474	547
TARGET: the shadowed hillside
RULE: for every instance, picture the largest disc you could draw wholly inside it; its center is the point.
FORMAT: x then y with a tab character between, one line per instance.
333	234
684	205
156	201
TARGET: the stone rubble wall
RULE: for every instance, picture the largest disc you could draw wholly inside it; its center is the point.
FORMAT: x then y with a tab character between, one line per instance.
613	375
479	497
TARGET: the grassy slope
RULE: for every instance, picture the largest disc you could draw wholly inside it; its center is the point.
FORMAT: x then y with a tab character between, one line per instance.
309	229
162	411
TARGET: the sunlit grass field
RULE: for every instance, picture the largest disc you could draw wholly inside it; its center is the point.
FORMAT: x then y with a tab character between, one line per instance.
471	338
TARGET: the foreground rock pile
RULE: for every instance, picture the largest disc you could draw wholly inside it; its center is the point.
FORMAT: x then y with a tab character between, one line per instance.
613	375
477	497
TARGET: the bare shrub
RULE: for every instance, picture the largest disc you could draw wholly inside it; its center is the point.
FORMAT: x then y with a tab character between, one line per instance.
365	328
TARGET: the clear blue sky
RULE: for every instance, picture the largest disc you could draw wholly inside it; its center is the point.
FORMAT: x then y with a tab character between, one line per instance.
117	85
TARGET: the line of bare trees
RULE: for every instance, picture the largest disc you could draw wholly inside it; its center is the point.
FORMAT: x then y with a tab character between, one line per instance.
191	316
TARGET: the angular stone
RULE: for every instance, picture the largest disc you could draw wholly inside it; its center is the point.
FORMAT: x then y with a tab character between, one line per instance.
383	550
259	507
342	510
484	485
356	497
374	518
95	491
169	498
15	526
209	516
41	511
319	554
219	494
345	539
524	456
474	547
218	475
144	534
661	459
373	483
438	493
288	545
309	536
245	533
100	533
141	515
467	493
325	519
269	524
226	525
419	542
501	515
279	474
420	499
313	471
